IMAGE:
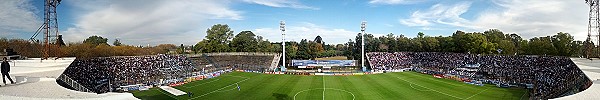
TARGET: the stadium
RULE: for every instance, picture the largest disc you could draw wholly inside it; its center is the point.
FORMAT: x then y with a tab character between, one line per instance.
534	58
232	76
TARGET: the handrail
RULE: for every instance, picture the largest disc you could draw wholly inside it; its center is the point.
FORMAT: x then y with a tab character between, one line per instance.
73	83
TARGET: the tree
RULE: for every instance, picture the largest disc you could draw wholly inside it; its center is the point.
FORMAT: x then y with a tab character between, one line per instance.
304	50
117	42
315	49
562	42
96	40
541	46
517	41
217	39
494	35
478	44
349	49
244	42
460	40
431	44
507	47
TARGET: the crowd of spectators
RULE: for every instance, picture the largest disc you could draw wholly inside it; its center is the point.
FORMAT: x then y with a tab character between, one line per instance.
549	76
105	74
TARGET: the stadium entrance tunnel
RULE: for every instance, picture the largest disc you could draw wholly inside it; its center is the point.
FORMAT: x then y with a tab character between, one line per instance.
324	94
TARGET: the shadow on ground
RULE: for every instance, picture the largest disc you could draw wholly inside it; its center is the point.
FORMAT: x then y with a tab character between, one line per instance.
281	96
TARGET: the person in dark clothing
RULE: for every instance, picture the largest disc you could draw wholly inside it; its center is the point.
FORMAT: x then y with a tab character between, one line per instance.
5	69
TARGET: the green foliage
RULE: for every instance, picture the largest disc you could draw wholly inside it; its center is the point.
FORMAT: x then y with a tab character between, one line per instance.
217	39
244	41
488	42
96	40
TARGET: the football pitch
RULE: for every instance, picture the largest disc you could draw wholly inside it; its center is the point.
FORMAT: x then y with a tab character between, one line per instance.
387	86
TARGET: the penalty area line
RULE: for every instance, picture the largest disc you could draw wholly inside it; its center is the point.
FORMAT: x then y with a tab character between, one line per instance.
477	93
431	89
221	88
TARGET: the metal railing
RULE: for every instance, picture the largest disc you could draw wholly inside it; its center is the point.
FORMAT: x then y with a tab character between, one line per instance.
73	83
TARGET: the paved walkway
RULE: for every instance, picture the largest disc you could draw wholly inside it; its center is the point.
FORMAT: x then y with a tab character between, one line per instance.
591	68
37	80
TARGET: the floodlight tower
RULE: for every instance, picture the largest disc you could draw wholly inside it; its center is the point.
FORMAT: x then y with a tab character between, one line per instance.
363	26
49	27
593	26
282	28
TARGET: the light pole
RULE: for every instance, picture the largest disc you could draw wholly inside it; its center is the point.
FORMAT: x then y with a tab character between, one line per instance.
282	28
363	26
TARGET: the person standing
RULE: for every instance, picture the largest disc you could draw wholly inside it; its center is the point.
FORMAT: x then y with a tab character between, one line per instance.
5	69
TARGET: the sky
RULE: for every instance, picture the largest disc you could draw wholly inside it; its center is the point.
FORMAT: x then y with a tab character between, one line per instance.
142	22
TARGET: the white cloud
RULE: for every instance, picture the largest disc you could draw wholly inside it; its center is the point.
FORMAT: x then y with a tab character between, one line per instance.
146	21
528	18
17	16
532	18
439	13
392	2
307	31
282	3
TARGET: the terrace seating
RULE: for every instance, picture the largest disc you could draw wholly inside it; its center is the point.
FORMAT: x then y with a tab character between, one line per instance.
105	74
551	77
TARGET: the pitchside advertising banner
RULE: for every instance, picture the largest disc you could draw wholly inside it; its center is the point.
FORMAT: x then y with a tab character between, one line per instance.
312	63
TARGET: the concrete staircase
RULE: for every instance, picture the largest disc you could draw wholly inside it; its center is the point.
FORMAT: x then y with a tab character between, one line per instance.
275	61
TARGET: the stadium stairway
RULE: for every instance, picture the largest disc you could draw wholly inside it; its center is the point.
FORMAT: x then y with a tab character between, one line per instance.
275	61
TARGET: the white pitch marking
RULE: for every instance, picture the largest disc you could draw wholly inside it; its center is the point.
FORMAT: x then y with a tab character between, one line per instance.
222	88
430	89
477	93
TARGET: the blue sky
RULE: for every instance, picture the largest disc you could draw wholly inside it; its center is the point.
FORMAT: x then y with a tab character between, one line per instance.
141	22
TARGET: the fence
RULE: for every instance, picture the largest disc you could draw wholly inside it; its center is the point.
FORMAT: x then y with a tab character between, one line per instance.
73	83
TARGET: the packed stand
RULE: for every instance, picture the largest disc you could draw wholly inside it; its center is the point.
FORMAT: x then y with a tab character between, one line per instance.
106	74
547	77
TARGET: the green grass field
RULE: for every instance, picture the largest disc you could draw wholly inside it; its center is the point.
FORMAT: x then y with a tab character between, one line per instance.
387	86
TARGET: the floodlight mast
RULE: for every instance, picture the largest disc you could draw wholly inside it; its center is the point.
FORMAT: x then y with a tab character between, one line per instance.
593	28
363	26
49	29
282	28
